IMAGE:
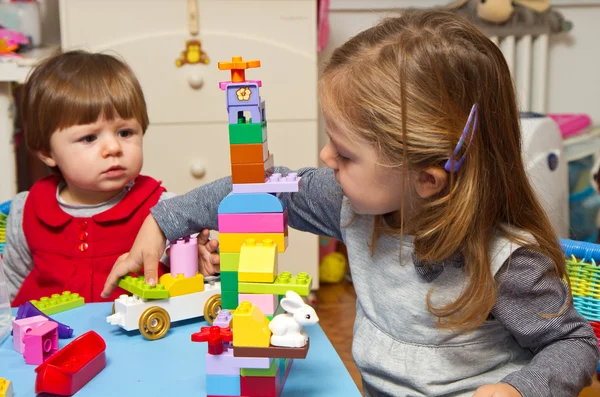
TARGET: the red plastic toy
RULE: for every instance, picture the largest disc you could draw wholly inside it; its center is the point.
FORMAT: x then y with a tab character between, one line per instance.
215	336
69	369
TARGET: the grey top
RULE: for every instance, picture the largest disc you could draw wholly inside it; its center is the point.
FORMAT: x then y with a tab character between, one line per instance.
397	347
17	256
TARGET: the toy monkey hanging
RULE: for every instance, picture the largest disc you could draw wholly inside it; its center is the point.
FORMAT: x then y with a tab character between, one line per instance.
192	54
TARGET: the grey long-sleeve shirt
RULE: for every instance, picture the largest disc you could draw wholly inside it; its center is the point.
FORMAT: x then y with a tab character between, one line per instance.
397	346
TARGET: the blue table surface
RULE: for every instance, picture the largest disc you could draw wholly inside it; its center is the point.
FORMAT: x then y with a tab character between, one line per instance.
173	365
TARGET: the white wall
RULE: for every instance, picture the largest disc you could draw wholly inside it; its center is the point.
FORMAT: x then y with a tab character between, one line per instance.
574	78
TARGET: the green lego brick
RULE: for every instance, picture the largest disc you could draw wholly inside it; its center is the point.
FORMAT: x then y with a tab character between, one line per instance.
137	286
58	303
247	133
271	371
229	281
230	261
301	284
229	300
270	317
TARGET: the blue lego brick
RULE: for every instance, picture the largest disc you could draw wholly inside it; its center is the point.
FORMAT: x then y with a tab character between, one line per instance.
243	94
250	203
223	385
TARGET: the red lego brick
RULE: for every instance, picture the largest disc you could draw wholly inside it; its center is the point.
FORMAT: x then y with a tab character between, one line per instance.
260	386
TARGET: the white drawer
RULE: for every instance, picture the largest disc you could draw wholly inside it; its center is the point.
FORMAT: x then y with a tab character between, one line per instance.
150	35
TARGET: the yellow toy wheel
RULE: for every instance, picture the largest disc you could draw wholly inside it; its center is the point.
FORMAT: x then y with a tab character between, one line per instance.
212	307
113	308
154	323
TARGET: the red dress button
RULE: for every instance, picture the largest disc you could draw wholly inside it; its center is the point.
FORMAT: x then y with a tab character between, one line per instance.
83	236
83	225
83	247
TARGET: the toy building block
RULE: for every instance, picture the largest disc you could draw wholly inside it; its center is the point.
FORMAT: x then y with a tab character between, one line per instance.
252	172
249	153
72	367
184	257
301	284
6	388
230	261
229	299
182	285
21	327
260	386
27	310
137	286
41	343
250	203
276	222
227	364
215	336
229	281
248	134
275	184
58	303
232	242
271	351
223	319
254	326
258	261
267	303
238	68
223	385
271	371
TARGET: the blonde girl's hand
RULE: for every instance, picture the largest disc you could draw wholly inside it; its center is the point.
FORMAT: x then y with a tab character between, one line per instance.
497	390
208	257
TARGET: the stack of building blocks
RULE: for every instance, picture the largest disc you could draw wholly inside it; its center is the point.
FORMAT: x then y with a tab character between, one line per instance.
253	231
36	338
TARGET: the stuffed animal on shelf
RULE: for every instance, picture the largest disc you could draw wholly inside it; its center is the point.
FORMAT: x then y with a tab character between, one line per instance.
286	328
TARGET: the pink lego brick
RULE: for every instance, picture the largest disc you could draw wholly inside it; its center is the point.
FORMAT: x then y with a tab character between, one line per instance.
223	84
23	326
41	343
571	124
275	184
184	257
226	364
275	222
267	303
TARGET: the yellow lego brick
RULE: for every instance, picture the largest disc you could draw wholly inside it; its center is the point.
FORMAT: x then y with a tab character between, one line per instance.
251	326
258	261
6	388
301	284
232	242
58	303
182	285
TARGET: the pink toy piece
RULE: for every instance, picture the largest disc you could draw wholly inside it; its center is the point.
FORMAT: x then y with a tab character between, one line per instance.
267	303
571	124
275	222
223	84
275	184
226	364
184	257
22	327
41	343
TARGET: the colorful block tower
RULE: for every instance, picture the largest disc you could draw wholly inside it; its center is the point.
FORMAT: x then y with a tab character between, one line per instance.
253	230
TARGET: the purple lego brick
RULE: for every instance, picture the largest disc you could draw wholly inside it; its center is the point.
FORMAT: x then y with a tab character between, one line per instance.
28	310
226	364
257	113
223	318
275	184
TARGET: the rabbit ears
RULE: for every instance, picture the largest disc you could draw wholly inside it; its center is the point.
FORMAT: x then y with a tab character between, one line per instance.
291	302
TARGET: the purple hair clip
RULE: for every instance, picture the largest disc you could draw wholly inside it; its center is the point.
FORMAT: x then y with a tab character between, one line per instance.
452	165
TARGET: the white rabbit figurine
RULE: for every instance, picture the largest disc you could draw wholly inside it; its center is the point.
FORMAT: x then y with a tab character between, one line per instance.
287	327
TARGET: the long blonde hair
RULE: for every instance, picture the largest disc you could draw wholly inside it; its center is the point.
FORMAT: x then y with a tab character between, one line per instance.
407	86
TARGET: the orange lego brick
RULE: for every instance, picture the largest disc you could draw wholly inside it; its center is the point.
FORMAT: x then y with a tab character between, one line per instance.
252	173
249	153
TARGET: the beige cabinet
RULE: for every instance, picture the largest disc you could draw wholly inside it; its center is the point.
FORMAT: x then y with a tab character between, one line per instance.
187	143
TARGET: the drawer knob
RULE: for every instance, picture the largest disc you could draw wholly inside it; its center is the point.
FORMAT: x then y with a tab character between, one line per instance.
197	169
196	81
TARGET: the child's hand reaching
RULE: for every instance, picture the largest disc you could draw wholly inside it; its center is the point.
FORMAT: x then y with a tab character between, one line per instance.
497	390
208	258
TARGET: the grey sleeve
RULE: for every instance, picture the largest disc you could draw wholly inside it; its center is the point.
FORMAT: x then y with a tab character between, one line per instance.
315	208
17	257
565	347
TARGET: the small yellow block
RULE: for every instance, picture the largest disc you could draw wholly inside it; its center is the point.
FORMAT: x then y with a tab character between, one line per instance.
6	388
258	261
182	285
251	326
232	242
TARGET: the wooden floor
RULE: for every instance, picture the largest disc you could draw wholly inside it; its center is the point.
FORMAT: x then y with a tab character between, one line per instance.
336	307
